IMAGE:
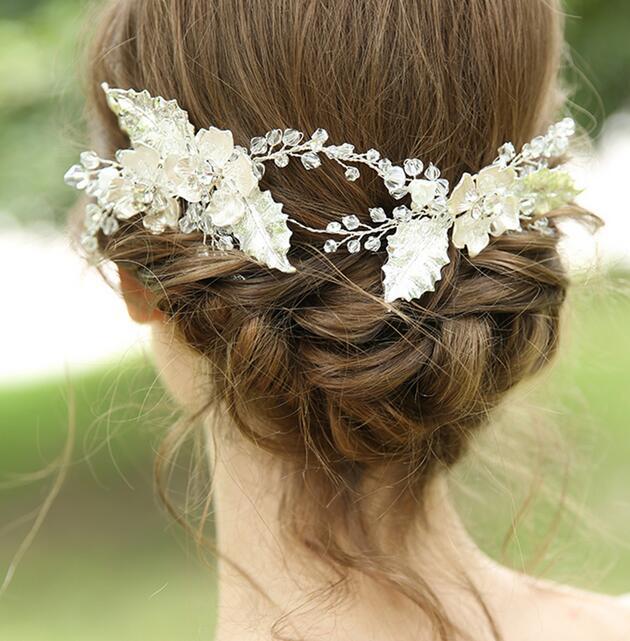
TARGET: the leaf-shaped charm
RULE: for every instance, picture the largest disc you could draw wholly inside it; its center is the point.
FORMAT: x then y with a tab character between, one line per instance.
417	252
154	122
263	233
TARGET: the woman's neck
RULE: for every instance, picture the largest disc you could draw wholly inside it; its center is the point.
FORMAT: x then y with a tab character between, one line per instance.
282	581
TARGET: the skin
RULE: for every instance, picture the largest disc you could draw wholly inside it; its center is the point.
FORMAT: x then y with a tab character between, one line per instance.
250	533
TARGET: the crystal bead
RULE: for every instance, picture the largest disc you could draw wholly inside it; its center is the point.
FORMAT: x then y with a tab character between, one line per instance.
110	226
292	137
352	174
225	243
76	177
432	172
320	136
567	126
413	167
351	222
384	164
258	145
538	145
377	214
442	186
528	206
90	160
373	243
89	243
345	150
281	161
187	225
395	178
354	246
259	170
333	228
372	155
507	152
330	246
399	194
274	137
310	160
93	213
402	214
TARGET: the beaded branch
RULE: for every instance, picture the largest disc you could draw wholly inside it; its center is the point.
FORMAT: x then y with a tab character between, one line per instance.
200	182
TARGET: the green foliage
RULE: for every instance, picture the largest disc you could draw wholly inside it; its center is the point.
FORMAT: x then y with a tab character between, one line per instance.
597	31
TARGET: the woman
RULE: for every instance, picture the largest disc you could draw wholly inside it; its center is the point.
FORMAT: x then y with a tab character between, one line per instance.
337	388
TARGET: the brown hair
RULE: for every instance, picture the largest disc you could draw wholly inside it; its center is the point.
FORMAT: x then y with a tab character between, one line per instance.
341	383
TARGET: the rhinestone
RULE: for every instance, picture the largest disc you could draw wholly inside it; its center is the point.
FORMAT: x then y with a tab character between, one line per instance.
372	155
395	178
281	161
354	246
292	137
310	160
432	172
377	214
330	246
413	167
258	145
352	174
350	222
90	160
274	137
333	228
373	244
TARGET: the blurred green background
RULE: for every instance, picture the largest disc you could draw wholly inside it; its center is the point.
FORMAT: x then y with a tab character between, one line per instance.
107	563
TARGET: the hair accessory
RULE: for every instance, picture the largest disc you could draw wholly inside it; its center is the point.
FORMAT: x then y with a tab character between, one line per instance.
176	178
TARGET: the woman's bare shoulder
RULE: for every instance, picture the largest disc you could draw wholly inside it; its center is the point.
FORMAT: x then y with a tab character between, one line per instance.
576	615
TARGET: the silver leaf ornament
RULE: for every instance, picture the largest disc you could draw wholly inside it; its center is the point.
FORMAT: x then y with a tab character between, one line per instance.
154	122
263	233
417	253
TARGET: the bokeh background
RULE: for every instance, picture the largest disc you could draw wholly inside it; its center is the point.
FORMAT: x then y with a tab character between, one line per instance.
107	563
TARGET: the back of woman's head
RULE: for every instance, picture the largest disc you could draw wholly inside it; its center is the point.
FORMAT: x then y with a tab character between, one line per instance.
313	366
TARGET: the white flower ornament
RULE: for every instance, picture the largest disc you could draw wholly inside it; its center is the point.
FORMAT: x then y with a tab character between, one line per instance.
200	182
482	205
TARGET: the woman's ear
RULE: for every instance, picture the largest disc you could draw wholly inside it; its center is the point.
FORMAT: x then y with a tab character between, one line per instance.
139	300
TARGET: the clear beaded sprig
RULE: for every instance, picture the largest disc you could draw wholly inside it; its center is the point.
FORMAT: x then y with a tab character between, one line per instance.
201	182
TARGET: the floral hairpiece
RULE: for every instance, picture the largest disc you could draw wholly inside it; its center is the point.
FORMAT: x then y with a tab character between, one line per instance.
176	178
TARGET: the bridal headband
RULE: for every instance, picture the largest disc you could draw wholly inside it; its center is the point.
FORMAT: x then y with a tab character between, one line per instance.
201	182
